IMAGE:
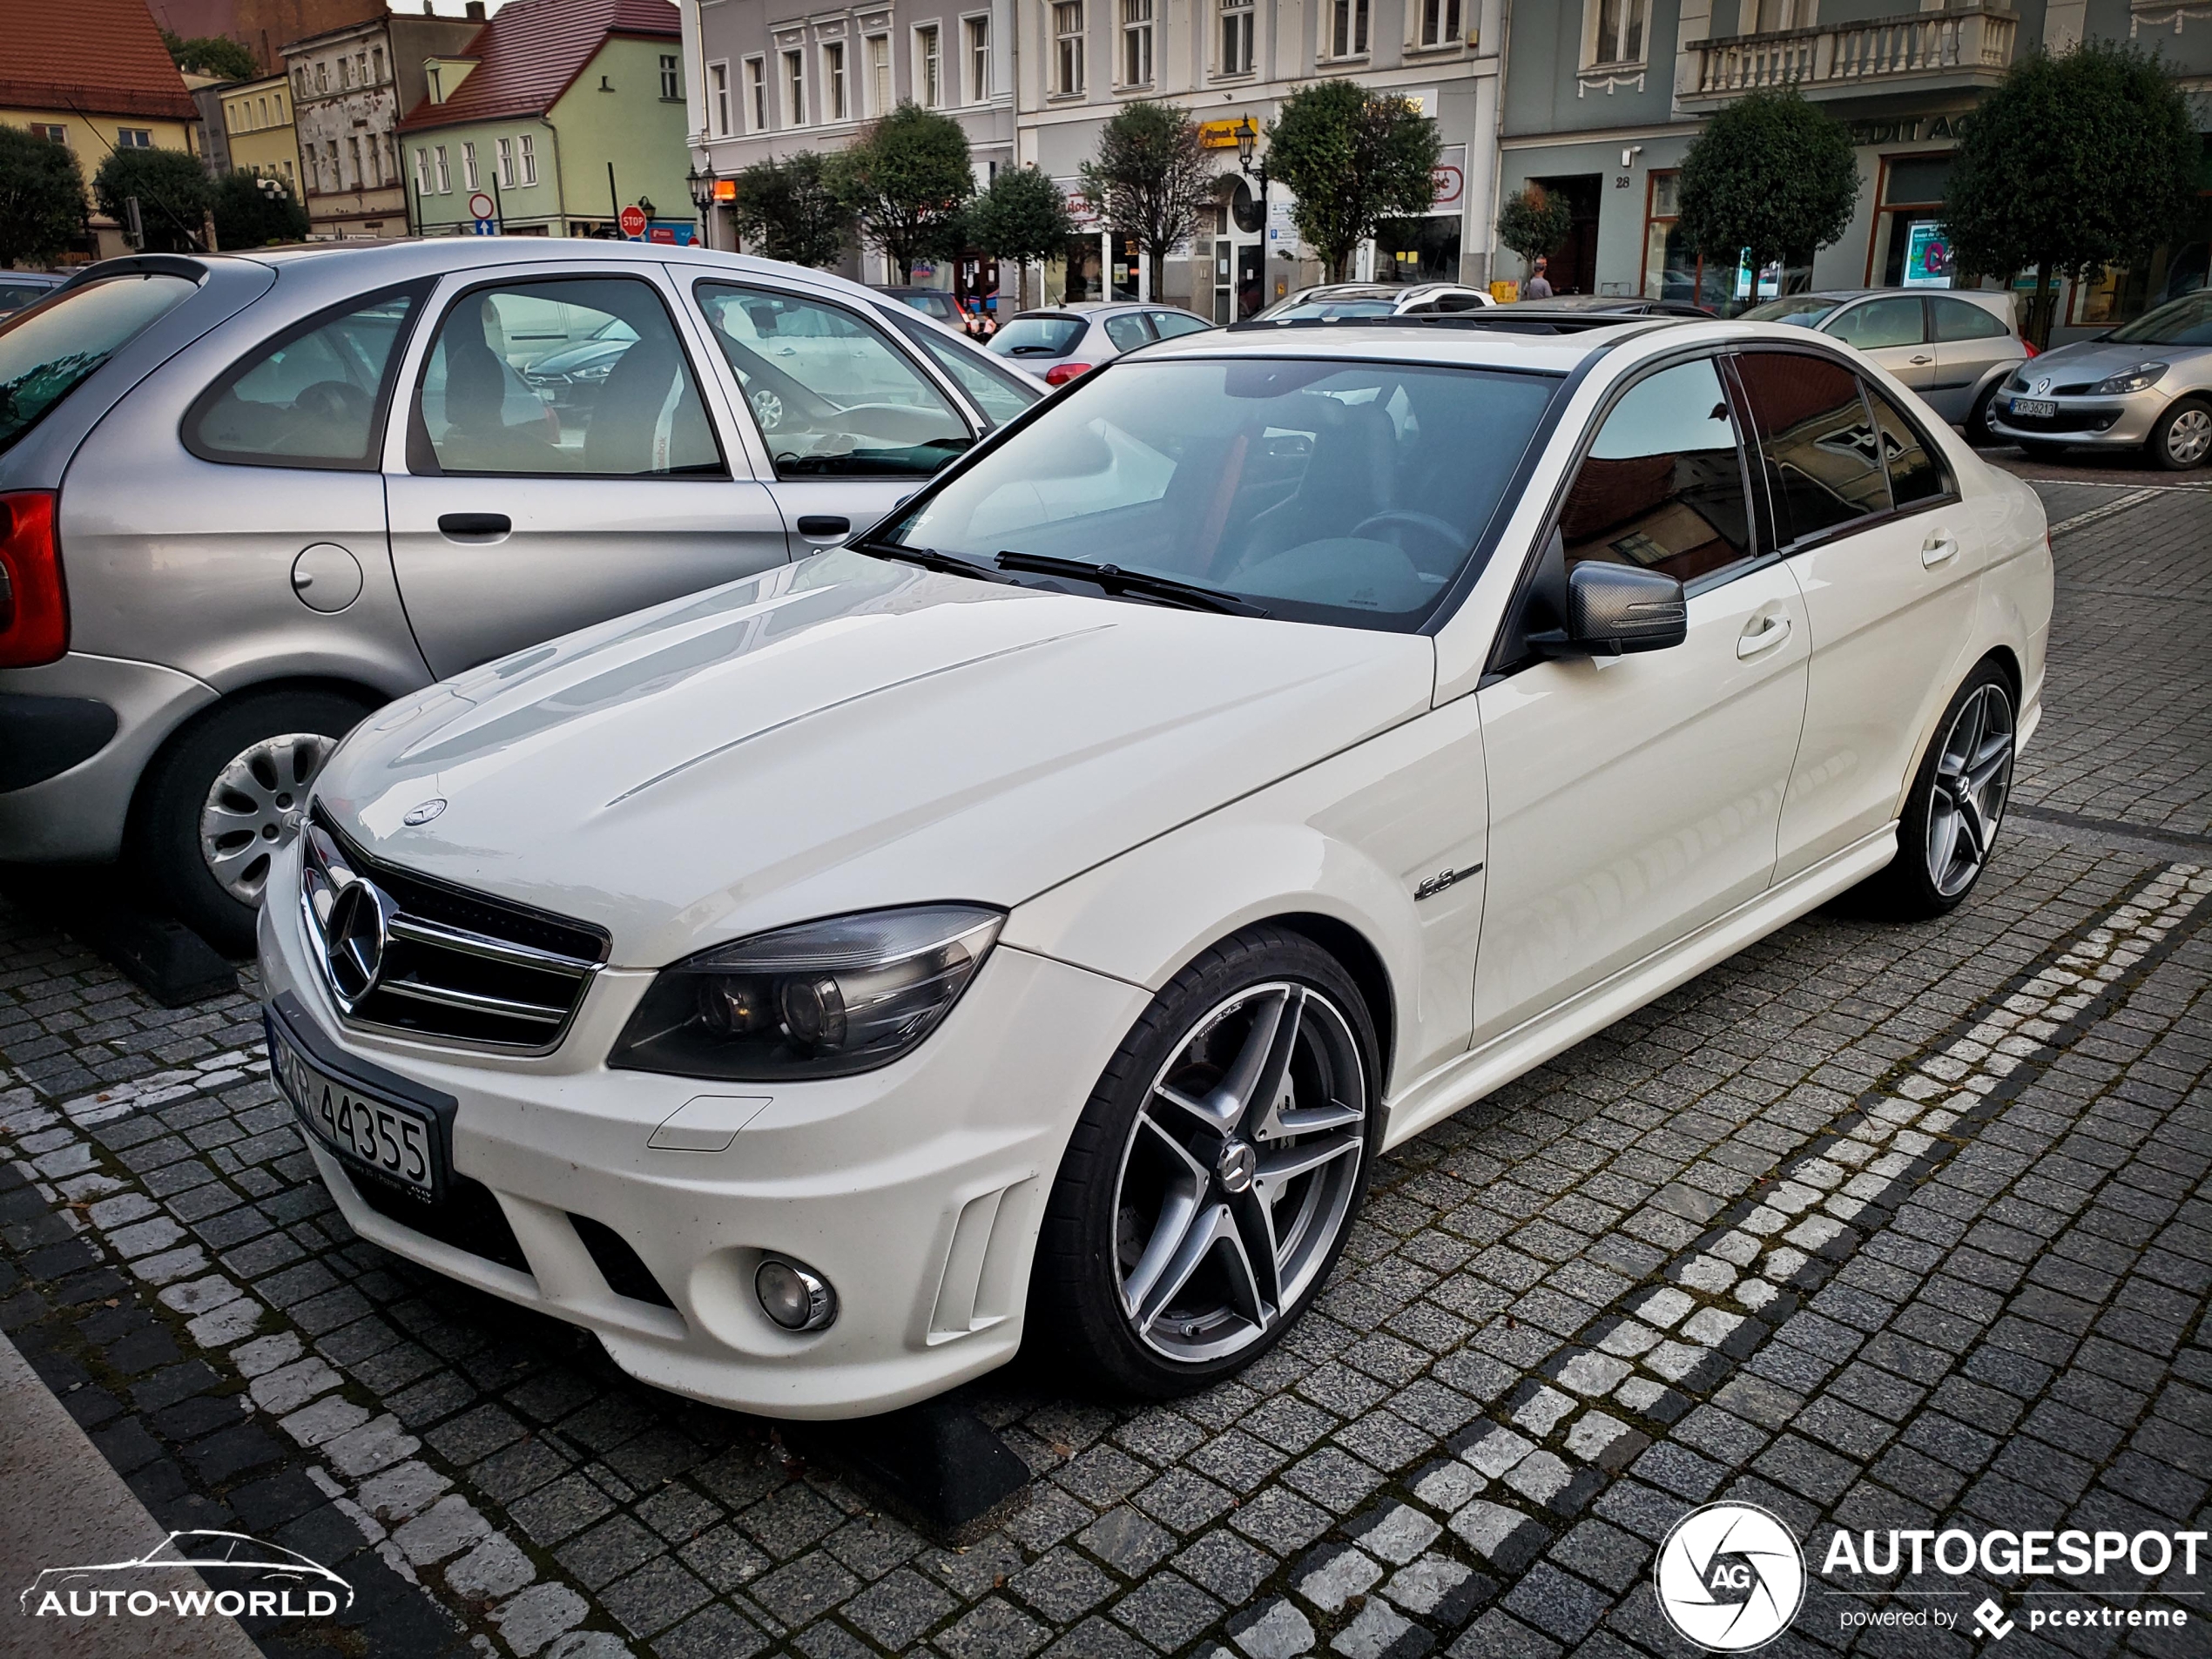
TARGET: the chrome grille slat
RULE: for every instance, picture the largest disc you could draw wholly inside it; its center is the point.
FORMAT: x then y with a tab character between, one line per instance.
447	997
494	950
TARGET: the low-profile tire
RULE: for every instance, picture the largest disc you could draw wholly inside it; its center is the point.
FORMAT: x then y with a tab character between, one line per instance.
224	795
1978	432
1957	805
1238	1119
2182	438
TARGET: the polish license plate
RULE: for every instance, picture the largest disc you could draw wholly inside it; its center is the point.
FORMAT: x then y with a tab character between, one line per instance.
2034	408
397	1142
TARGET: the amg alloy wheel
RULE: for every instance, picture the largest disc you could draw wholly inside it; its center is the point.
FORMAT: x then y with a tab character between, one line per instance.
1955	807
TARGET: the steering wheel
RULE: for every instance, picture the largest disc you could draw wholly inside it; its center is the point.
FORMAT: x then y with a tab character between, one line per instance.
332	400
1451	540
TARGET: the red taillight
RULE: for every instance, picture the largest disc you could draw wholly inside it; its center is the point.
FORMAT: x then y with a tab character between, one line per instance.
2032	352
34	606
1060	374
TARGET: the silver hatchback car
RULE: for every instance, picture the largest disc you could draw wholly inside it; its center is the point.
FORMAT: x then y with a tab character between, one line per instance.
1953	346
2146	383
1062	343
244	500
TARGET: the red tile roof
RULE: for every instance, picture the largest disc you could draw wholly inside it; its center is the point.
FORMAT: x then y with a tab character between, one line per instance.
100	57
532	50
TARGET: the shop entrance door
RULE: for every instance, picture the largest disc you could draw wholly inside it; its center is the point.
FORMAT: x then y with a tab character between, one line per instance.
1574	268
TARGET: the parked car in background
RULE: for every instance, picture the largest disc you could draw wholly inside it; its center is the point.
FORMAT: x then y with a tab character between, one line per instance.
1954	348
934	303
245	499
2146	383
1339	301
21	289
1060	342
1613	305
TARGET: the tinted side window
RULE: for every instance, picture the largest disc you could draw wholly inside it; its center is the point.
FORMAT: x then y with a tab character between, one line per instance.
583	376
1662	487
310	399
48	351
1963	319
1128	331
1459	302
1882	322
1817	443
1915	475
1169	324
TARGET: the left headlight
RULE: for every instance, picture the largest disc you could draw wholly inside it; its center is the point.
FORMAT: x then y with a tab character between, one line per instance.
2141	378
824	999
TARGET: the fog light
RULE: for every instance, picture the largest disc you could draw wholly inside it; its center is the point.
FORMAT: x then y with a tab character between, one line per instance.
796	1298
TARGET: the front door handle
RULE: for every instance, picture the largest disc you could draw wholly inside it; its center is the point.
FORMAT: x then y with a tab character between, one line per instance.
1922	361
474	524
824	526
1938	549
1764	635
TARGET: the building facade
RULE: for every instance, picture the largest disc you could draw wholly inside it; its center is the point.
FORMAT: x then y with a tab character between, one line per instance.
350	87
257	126
562	113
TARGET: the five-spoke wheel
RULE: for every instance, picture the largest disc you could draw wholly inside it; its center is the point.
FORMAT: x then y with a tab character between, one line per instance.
1955	806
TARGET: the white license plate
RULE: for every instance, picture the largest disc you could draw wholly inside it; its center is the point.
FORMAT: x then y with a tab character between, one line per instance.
2034	408
395	1141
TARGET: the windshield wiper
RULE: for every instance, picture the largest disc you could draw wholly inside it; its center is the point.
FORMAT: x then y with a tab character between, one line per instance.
1113	579
930	559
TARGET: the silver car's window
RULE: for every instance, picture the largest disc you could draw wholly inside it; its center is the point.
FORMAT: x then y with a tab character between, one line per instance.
2186	321
1037	336
1963	319
1816	443
1882	322
1323	491
1128	332
1805	310
311	397
831	396
1662	486
1000	392
1169	324
48	351
534	378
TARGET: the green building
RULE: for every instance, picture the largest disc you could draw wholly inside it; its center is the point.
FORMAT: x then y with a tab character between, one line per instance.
561	113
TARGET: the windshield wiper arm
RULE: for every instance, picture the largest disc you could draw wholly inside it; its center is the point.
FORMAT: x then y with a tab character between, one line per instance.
1114	579
930	559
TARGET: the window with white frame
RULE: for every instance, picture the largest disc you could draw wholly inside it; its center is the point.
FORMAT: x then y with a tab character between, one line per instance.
379	55
975	40
1067	48
505	164
794	89
530	159
1437	22
469	173
880	95
672	84
445	172
1136	42
756	95
1237	25
1618	37
134	138
421	170
835	99
1348	28
717	99
929	67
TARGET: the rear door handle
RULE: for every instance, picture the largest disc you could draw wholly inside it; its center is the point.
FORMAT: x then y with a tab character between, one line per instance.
1771	632
824	526
474	524
1938	549
1923	361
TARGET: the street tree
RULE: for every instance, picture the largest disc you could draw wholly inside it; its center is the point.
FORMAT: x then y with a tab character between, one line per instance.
1533	223
217	55
42	198
253	211
1150	180
2071	163
173	190
1020	218
1771	173
786	210
906	179
1352	159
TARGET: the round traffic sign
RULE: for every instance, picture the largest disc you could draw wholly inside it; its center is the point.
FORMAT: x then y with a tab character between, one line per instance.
633	220
480	206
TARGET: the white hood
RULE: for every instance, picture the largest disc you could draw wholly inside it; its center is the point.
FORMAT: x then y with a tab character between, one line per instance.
846	733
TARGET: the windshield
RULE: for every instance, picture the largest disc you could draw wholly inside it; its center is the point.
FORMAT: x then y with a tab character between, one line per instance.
2186	321
1805	310
47	352
1038	337
1305	309
1324	491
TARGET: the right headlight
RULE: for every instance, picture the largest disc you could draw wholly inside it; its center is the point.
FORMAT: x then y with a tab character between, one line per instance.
2141	378
824	999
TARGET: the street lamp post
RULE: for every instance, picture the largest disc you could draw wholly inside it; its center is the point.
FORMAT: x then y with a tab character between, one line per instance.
701	185
1247	136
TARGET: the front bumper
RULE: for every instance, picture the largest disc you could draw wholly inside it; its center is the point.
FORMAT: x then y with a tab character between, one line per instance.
917	1190
2114	423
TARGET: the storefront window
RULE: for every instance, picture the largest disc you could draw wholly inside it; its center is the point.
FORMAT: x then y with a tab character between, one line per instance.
1086	269
1418	250
1672	267
1911	242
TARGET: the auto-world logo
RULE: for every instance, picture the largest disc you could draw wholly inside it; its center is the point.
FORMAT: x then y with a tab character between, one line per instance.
1730	1577
236	1577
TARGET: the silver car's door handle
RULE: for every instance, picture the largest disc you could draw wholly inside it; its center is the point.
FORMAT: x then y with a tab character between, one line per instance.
1938	549
1923	361
1768	633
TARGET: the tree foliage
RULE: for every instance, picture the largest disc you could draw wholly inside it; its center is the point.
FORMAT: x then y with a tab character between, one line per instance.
213	55
906	179
786	210
1150	179
174	192
253	211
2071	163
1534	223
1352	159
1772	173
42	198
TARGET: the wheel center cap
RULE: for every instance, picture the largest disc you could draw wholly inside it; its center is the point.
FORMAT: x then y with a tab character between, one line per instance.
1237	1165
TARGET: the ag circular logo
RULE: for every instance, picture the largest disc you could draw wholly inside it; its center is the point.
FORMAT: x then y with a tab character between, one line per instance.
1730	1577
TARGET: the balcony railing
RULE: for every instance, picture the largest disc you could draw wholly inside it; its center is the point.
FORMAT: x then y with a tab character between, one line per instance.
1968	42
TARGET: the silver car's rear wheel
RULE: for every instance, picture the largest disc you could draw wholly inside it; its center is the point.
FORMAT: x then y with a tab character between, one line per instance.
253	808
1973	776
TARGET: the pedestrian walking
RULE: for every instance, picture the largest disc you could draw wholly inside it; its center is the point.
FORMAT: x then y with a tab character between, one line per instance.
1539	287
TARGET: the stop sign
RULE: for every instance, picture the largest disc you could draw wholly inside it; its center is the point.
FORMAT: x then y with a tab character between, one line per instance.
633	220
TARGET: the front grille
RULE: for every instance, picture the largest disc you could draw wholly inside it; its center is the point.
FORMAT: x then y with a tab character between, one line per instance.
469	1217
2064	420
447	964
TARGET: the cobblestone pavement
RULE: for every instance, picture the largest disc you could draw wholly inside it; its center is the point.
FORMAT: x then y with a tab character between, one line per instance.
1873	1226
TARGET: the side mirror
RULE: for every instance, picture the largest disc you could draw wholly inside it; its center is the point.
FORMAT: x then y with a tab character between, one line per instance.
1616	608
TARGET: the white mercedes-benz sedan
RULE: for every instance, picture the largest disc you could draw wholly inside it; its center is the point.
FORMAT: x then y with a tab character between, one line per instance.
1031	922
